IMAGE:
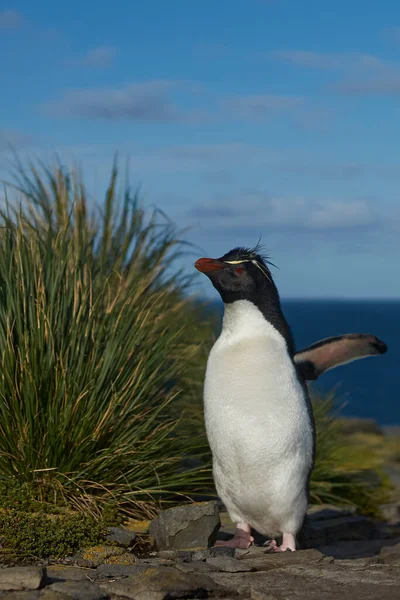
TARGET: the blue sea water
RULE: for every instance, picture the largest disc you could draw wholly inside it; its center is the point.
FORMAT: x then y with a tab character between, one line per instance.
369	387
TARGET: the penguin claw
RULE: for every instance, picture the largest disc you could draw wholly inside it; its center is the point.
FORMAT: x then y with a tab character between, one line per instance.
272	547
240	540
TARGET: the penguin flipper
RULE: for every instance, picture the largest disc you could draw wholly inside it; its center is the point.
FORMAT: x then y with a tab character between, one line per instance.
334	351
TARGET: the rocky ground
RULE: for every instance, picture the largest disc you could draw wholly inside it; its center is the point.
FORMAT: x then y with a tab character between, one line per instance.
345	556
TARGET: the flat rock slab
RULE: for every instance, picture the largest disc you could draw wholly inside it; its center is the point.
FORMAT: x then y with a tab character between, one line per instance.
188	526
166	583
75	590
315	582
29	595
228	564
60	573
22	578
390	555
117	571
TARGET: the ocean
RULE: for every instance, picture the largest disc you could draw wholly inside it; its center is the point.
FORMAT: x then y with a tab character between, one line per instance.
370	387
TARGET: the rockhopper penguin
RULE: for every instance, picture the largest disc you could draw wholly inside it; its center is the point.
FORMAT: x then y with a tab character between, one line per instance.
258	412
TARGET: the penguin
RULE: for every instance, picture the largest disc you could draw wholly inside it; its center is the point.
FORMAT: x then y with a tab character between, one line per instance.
258	413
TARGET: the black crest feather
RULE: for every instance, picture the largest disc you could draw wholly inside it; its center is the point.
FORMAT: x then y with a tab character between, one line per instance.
243	253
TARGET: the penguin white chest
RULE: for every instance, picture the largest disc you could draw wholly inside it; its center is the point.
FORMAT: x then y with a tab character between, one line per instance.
258	424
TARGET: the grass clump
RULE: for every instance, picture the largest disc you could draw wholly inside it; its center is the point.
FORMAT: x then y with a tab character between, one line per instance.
96	336
345	472
27	537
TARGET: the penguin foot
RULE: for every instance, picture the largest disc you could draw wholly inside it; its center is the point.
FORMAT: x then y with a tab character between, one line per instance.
288	543
241	539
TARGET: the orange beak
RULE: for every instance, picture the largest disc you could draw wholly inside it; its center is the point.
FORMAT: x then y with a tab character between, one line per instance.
208	265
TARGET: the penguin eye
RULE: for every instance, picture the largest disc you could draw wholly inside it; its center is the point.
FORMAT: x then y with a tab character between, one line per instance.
239	270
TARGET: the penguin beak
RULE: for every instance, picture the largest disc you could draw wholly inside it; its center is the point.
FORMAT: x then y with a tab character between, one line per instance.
209	265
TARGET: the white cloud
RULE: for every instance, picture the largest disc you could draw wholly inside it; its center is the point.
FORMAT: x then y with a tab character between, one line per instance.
328	60
259	211
10	19
260	105
144	101
101	57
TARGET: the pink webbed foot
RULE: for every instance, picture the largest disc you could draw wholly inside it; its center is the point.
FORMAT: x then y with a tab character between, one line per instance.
288	543
242	539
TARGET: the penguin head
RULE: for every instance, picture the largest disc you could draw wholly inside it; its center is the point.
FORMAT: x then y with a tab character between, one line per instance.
240	274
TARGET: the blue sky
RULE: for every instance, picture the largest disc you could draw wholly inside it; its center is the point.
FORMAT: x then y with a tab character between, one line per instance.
241	118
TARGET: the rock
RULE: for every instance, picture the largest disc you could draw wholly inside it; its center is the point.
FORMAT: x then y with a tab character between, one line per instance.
96	555
260	595
222	551
390	512
75	590
326	526
168	554
315	581
228	564
195	554
31	595
165	583
390	555
155	562
122	537
278	560
49	594
118	571
188	526
59	573
195	567
22	578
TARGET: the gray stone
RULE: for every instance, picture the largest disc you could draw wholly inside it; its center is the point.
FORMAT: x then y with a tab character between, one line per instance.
155	562
222	551
188	526
118	571
49	594
314	582
59	573
228	564
189	555
166	583
22	578
201	554
167	554
30	595
269	561
195	567
122	537
390	555
78	590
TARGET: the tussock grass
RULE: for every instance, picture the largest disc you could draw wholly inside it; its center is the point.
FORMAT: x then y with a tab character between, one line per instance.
345	473
94	330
